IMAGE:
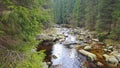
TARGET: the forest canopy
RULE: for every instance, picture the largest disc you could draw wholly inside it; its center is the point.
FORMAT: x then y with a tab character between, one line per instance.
101	16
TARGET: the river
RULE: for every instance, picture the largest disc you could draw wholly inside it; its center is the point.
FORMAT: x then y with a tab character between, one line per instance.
65	57
69	52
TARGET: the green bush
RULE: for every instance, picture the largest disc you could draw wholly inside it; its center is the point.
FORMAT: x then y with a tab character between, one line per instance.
33	60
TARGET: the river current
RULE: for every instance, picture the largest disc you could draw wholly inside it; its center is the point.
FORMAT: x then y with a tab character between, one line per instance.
66	57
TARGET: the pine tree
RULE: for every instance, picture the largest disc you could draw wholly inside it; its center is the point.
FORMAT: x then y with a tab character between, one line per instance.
105	15
79	13
91	12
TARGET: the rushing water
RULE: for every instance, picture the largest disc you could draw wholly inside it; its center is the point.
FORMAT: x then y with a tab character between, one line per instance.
66	57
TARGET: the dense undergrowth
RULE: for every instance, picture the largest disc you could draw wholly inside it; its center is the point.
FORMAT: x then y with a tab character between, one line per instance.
20	21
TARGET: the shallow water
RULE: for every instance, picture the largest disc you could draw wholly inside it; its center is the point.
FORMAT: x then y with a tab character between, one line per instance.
66	57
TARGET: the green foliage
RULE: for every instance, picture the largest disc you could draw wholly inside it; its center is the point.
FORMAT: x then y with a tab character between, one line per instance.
25	22
105	15
115	33
63	10
79	13
22	20
33	60
7	2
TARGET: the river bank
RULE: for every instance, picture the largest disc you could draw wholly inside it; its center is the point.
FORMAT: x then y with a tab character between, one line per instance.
82	45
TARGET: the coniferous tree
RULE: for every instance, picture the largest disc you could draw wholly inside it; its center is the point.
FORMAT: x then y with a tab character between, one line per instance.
79	12
105	15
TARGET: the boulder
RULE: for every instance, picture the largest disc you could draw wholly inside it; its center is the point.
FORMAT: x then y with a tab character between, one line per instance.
108	49
118	57
111	59
100	64
116	54
80	38
60	36
105	50
78	47
91	56
71	43
45	65
57	66
88	47
76	31
54	57
44	37
52	37
95	40
86	44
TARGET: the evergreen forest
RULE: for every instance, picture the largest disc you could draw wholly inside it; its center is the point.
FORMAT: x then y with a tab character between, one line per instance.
38	33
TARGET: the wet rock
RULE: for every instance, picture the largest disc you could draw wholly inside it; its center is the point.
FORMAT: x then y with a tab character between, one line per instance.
101	43
95	40
84	64
80	38
44	37
60	36
76	31
100	64
85	44
52	37
105	50
88	47
78	47
61	40
71	43
111	59
116	54
91	56
57	66
45	65
87	40
54	57
108	49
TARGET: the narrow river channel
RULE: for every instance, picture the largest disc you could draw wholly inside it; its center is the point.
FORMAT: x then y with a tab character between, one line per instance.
67	57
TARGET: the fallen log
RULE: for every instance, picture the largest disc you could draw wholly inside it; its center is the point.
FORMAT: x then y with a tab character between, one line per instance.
91	56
